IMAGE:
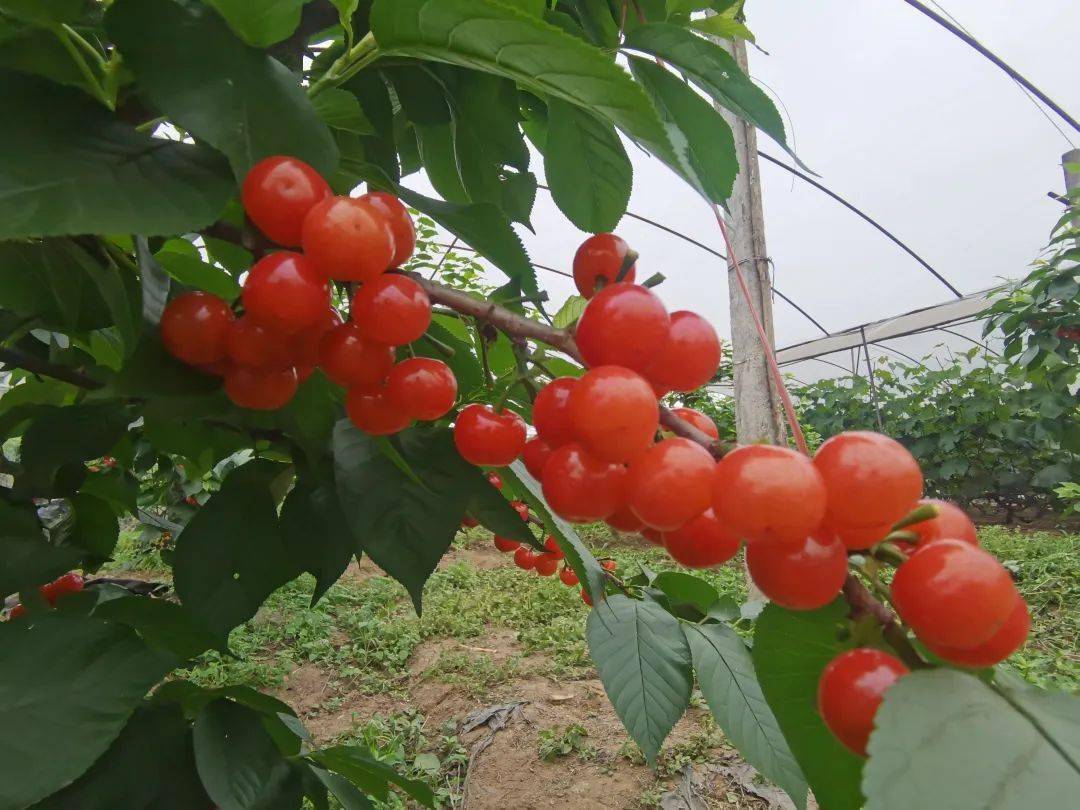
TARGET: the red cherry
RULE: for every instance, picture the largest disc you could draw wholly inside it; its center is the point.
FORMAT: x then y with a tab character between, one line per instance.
401	224
568	576
953	594
614	413
216	369
17	611
305	343
469	522
871	479
653	536
195	328
489	438
251	344
609	565
860	538
851	688
951	522
524	558
800	574
552	546
698	420
690	356
348	240
422	387
624	520
535	456
521	508
670	483
353	361
504	544
392	309
68	583
260	389
579	487
373	413
702	542
623	325
1009	638
1069	333
763	492
546	564
551	412
278	192
586	598
495	480
285	292
600	256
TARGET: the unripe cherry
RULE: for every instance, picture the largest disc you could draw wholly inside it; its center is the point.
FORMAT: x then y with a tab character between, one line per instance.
581	488
953	594
614	413
768	493
850	691
670	483
801	574
702	542
623	325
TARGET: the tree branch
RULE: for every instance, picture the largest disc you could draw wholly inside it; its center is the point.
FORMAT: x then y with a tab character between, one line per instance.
14	358
863	603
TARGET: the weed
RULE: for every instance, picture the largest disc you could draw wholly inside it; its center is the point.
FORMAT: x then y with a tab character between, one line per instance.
477	675
556	743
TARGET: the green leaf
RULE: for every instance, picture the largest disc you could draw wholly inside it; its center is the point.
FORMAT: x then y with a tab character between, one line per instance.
60	439
644	663
166	626
153	282
191	271
570	312
96	527
315	530
791	648
150	766
70	167
43	12
28	558
725	673
712	69
578	556
340	109
262	22
343	790
369	774
231	555
947	739
702	138
586	167
540	57
241	101
40	51
64	723
723	27
685	590
238	761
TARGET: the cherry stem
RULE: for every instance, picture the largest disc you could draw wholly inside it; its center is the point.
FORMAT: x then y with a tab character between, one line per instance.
629	260
927	511
655	280
862	603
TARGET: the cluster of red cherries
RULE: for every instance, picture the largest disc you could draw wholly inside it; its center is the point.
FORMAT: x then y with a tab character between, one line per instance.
546	562
69	583
288	325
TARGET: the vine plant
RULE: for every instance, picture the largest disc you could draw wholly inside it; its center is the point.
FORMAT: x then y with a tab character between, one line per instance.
128	128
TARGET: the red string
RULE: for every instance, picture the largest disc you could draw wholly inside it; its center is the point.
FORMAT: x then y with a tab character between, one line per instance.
770	355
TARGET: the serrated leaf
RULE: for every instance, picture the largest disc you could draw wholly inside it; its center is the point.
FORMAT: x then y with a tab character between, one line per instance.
586	167
191	271
725	673
59	439
577	554
43	12
69	167
570	312
260	23
65	723
241	101
684	590
340	109
164	625
644	663
791	648
369	774
723	27
701	137
231	555
714	70
947	739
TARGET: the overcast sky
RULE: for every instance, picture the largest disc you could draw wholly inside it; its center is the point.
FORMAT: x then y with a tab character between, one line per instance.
904	120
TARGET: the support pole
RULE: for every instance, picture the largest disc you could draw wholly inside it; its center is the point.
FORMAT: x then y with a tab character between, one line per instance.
870	378
1072	178
758	410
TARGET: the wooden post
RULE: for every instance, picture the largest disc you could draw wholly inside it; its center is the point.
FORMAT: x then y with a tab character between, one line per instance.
758	411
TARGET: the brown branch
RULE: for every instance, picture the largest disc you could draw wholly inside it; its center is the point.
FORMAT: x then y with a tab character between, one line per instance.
14	358
863	603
